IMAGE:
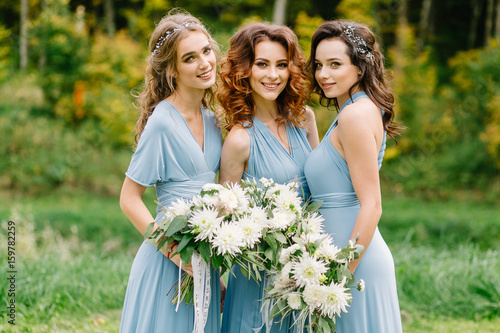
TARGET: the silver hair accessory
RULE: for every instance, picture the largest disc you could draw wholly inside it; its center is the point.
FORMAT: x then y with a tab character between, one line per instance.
162	39
360	42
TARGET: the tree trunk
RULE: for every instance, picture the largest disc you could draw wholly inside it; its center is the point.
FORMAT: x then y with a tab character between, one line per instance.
279	12
23	40
424	21
473	23
109	13
401	31
497	28
489	22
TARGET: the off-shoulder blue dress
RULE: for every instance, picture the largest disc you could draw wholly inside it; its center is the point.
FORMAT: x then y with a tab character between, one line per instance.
376	309
169	158
268	158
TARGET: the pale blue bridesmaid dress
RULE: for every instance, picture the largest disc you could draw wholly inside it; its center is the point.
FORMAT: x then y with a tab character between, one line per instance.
268	158
169	158
376	309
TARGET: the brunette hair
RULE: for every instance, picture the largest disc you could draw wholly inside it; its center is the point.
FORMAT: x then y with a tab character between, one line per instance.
365	53
235	93
161	64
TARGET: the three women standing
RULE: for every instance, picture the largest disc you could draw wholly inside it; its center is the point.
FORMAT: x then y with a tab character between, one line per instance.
272	134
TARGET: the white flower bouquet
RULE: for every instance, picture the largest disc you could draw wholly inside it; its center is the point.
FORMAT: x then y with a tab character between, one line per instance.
218	226
311	278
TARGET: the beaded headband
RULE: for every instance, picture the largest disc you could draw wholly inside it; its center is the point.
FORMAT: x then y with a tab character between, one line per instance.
162	39
360	42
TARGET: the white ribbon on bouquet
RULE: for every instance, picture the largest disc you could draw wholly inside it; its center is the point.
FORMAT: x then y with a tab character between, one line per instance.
202	292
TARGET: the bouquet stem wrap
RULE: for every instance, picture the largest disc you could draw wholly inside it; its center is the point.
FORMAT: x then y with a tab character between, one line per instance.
201	293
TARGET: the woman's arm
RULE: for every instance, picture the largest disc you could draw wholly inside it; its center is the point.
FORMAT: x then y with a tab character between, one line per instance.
360	134
311	128
134	208
234	156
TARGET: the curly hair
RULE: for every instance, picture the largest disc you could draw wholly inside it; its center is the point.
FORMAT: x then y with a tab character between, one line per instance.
235	92
369	59
159	82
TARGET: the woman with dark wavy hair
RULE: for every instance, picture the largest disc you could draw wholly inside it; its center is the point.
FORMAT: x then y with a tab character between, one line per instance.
271	134
348	72
178	151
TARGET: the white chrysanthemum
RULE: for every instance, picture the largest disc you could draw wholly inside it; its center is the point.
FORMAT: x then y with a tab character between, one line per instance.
252	231
229	239
180	207
328	252
336	299
312	237
206	222
211	187
282	219
294	301
314	222
210	200
314	295
287	199
258	215
266	182
308	271
361	285
283	280
286	252
228	199
233	198
197	201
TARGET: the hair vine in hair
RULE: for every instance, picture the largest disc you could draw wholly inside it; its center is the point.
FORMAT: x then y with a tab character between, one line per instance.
360	42
162	39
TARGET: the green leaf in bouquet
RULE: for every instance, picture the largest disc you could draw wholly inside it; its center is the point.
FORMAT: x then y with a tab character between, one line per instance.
217	260
186	253
149	230
269	254
275	311
186	238
271	240
204	249
323	325
280	237
314	206
161	243
177	237
178	222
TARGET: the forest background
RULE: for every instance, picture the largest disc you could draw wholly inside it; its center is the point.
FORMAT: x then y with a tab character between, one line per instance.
69	71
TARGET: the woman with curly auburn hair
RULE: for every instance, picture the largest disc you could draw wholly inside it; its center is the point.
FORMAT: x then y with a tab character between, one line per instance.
343	171
178	151
271	134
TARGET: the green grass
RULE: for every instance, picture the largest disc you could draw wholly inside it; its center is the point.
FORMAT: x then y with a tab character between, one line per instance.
74	253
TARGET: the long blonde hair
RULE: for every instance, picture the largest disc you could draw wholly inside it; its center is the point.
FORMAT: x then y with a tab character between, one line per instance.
159	82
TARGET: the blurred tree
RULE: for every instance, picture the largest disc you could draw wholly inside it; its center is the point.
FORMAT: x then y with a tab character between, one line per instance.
62	51
23	43
279	12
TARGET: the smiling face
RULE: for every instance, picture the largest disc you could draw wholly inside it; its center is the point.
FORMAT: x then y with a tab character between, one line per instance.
270	72
196	62
334	70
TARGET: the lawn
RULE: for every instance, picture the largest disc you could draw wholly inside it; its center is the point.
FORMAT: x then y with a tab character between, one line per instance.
74	252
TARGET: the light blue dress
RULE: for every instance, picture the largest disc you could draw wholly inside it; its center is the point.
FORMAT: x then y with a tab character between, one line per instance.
376	309
169	158
268	158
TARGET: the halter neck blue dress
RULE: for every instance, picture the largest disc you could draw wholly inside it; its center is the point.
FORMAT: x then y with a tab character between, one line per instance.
376	309
268	158
169	158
